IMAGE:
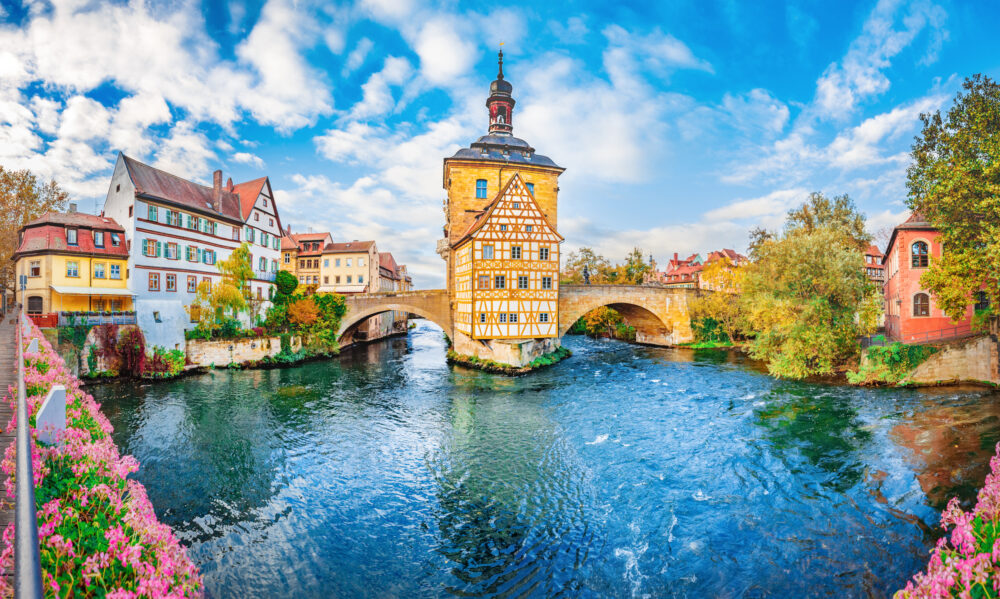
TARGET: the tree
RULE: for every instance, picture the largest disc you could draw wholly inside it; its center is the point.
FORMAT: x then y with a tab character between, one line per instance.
303	312
237	269
597	265
954	182
720	307
635	268
839	214
24	198
602	320
285	282
211	302
807	299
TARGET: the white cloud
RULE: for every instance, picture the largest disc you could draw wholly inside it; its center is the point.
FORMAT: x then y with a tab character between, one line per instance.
444	53
377	96
860	74
862	145
357	56
775	204
756	112
248	158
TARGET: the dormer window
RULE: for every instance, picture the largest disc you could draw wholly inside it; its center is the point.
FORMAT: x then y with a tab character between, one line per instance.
71	236
99	239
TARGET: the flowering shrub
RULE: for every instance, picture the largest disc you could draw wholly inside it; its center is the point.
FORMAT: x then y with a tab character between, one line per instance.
966	564
97	533
164	363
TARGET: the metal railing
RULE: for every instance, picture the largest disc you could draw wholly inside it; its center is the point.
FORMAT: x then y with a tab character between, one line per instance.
95	318
954	332
27	565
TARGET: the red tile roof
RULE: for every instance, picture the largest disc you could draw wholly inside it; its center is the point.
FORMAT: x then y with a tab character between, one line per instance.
48	234
287	243
156	184
248	193
301	239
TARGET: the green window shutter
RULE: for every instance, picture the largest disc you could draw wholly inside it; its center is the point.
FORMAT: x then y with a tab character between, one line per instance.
159	249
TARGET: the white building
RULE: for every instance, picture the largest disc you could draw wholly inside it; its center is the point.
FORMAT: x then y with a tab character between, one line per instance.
177	231
262	229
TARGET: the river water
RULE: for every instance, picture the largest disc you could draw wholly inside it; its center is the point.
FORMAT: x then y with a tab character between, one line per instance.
624	471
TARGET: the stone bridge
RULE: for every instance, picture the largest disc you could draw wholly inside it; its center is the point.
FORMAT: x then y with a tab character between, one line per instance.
659	315
430	304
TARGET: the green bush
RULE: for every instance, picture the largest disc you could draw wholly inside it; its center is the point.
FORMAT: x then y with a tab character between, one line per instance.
285	282
889	364
709	331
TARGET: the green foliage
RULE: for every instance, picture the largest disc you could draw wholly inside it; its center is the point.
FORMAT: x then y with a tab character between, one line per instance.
286	342
709	331
561	353
839	214
229	328
808	300
285	282
73	334
92	359
953	182
635	268
598	266
164	363
889	364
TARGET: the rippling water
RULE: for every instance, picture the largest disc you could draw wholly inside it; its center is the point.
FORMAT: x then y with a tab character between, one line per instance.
623	471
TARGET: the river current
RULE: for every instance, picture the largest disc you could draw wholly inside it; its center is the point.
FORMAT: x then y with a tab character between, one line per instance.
624	471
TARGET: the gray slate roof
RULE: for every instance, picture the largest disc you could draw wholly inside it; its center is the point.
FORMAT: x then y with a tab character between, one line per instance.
504	148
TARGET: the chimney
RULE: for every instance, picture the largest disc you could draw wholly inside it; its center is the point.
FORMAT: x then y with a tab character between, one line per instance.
229	183
288	230
217	191
72	207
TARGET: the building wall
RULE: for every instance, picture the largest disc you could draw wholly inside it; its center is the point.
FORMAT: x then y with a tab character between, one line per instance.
53	272
493	307
903	283
460	178
161	314
335	265
266	243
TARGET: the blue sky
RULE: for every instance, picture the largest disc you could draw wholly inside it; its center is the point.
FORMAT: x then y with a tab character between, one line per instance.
681	124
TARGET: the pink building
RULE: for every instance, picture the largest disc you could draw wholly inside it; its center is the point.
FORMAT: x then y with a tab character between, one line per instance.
911	315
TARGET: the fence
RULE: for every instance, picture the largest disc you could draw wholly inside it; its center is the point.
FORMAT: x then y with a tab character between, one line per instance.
27	565
67	319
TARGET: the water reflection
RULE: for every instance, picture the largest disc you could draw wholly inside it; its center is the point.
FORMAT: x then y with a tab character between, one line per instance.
624	471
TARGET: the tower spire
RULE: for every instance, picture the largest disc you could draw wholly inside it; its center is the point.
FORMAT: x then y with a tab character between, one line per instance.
500	103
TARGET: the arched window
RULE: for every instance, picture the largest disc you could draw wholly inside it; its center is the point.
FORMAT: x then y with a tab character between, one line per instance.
921	305
918	254
34	305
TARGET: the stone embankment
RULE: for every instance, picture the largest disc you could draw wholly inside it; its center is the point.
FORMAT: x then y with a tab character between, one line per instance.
201	352
975	360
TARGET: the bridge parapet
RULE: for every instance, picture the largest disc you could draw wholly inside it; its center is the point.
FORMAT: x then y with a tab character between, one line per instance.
432	304
659	314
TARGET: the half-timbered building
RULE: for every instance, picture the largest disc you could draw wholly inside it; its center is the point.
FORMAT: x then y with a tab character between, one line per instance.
507	270
501	244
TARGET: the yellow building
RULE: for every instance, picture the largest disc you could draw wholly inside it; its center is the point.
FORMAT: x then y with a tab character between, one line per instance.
502	198
350	267
288	260
507	270
72	262
308	255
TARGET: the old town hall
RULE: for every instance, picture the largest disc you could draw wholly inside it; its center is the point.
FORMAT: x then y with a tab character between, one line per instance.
501	244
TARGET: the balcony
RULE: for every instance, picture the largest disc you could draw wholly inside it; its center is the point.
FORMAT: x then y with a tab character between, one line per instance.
263	275
65	319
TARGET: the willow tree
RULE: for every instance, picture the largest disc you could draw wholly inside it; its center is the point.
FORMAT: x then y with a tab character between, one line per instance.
954	182
806	297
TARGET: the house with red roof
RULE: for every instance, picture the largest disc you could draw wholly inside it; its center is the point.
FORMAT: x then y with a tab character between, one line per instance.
178	230
71	262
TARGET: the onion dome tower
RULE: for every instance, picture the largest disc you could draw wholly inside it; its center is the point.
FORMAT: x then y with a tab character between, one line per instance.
501	103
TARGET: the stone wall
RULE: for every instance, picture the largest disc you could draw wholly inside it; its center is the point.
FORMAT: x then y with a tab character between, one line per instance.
971	360
659	314
517	353
221	352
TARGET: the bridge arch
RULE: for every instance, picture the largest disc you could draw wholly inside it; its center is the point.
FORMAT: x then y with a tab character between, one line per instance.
431	305
659	315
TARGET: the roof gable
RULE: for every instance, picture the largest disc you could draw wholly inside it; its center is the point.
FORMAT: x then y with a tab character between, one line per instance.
154	183
515	207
